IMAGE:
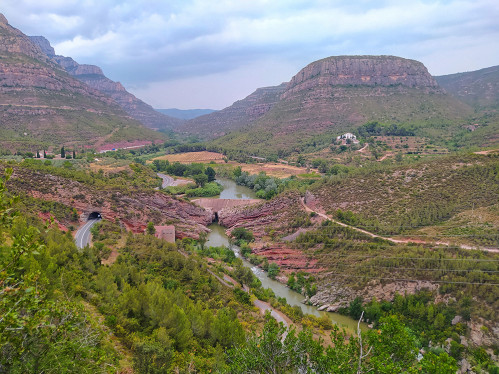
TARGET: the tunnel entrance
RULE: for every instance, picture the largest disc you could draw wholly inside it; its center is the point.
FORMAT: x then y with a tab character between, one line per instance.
216	217
94	215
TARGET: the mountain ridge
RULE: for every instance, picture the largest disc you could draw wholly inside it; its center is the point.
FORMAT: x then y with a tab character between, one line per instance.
42	105
337	94
94	77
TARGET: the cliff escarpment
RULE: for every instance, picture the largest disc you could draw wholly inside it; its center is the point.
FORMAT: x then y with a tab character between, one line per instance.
361	71
337	94
93	76
41	105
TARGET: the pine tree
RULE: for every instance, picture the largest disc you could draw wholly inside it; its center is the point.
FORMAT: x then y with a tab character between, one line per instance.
63	152
37	154
44	154
74	154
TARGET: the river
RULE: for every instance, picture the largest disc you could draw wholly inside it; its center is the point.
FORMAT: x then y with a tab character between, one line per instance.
217	237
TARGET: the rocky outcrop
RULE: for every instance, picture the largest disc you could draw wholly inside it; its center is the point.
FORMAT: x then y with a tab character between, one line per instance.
273	214
336	95
133	208
361	71
236	116
41	105
93	76
44	45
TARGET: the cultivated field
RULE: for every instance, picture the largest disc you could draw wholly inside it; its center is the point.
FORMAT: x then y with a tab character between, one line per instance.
193	157
273	169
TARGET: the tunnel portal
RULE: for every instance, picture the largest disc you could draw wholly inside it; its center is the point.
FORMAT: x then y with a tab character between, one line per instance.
94	215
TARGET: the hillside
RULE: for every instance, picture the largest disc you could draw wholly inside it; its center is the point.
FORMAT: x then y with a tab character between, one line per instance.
234	117
478	88
41	105
93	76
338	94
185	113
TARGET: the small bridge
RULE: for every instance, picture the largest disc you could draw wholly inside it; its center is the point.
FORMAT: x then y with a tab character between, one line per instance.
216	205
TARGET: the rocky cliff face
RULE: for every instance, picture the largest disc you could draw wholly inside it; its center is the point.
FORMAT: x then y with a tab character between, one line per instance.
337	94
93	76
134	210
238	115
41	105
361	71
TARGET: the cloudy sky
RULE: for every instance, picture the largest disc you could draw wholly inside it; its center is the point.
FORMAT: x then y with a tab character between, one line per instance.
209	53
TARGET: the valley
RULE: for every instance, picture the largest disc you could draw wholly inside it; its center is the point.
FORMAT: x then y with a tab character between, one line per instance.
344	221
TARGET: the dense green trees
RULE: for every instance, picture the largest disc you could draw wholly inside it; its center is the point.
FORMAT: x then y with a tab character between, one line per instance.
390	349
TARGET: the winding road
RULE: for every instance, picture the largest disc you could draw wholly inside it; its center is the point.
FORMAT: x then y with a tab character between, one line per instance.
82	236
393	240
169	181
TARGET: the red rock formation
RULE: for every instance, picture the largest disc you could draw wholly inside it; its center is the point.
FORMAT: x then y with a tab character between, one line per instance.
360	70
41	104
133	208
93	77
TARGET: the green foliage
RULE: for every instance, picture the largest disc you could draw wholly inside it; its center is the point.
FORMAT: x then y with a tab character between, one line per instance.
242	234
42	326
264	186
209	190
150	229
273	270
390	349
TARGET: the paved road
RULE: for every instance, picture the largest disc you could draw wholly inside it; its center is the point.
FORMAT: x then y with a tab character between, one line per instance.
169	181
82	237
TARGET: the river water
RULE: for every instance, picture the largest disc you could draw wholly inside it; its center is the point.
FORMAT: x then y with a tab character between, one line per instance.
217	237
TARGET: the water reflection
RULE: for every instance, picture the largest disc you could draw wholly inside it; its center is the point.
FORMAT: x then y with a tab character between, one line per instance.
217	237
234	191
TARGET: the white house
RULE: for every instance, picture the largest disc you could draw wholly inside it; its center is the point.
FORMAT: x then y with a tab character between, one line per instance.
346	136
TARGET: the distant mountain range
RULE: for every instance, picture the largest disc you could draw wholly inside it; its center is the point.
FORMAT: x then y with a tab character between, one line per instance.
46	99
42	105
94	77
332	96
185	114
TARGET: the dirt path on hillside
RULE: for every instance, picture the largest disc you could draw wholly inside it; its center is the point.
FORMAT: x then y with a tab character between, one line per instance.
363	149
393	240
262	305
486	152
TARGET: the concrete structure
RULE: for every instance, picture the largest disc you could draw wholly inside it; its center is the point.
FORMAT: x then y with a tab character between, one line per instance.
216	205
165	232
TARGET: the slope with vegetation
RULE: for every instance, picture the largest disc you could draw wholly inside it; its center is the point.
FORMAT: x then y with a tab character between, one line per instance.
338	94
44	106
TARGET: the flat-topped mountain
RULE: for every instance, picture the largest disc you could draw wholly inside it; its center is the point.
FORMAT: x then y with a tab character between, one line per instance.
236	116
42	105
361	70
94	77
340	93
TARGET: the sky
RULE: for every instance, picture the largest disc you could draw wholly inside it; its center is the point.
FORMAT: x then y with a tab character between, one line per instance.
209	53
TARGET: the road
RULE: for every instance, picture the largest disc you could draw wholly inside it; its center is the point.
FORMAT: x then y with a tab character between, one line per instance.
393	240
82	237
169	181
